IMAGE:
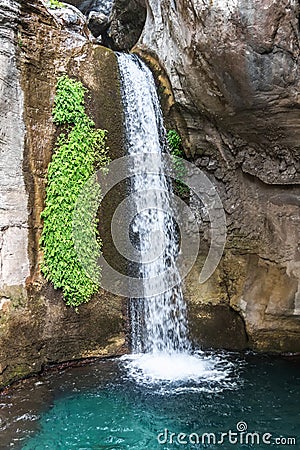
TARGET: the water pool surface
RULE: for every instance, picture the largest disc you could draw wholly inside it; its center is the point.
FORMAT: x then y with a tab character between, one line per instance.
106	405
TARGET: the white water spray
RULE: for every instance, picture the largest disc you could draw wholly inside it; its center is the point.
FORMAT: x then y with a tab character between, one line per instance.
159	331
158	322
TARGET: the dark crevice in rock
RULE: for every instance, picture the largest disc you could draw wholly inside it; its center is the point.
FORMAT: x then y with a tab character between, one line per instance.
269	187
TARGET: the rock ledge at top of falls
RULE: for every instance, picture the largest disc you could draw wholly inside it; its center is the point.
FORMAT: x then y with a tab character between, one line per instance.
121	25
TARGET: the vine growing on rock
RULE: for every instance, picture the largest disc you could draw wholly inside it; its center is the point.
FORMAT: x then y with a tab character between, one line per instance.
80	149
177	153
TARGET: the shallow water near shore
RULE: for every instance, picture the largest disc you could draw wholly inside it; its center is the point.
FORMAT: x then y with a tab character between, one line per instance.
114	404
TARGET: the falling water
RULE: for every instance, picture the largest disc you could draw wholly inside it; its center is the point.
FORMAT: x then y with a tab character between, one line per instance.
158	322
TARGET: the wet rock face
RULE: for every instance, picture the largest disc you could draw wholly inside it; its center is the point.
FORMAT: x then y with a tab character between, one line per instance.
234	69
234	63
217	326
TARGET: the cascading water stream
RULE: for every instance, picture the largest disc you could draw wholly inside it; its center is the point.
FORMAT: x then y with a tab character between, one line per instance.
159	332
158	322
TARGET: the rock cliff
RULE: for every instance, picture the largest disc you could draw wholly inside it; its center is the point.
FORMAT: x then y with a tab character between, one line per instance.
121	25
36	328
14	261
233	66
228	72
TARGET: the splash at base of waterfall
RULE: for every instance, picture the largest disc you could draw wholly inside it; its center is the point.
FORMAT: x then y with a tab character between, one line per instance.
203	372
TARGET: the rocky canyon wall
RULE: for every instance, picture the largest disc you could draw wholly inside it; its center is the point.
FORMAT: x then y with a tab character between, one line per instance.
233	66
36	328
14	262
228	72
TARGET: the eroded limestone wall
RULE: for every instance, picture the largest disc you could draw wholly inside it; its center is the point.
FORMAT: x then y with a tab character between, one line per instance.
230	76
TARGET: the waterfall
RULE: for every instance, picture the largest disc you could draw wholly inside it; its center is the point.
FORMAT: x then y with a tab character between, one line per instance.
158	322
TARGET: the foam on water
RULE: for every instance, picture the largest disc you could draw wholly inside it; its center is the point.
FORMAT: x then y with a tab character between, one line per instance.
181	372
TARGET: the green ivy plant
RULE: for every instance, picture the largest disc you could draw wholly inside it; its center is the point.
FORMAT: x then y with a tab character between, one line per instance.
177	153
79	150
55	4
